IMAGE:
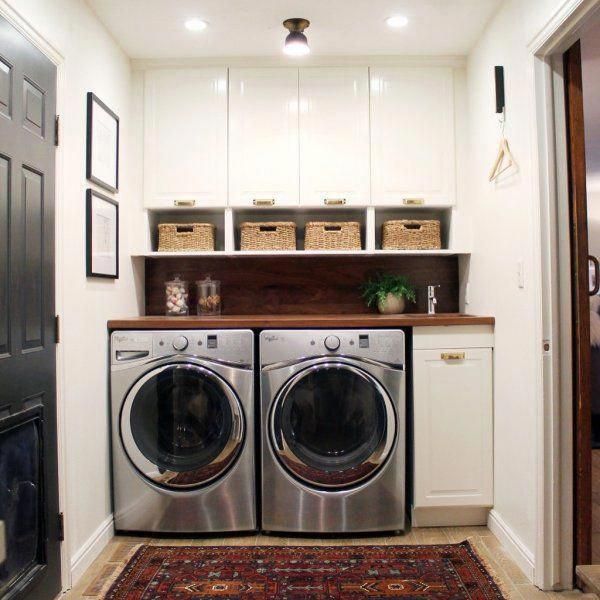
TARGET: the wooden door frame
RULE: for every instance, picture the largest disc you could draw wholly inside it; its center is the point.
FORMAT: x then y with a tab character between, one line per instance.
57	58
582	448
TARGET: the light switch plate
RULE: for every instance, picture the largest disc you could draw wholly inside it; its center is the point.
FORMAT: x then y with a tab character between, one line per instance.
2	542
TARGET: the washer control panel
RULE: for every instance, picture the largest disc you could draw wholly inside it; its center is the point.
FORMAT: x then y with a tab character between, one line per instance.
384	345
233	346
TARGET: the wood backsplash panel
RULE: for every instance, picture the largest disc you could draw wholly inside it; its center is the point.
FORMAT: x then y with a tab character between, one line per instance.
301	284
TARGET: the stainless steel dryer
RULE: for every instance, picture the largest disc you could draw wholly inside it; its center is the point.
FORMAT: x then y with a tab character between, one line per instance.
333	431
183	431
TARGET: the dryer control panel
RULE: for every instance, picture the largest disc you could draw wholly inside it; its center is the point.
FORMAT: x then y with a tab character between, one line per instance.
232	346
383	345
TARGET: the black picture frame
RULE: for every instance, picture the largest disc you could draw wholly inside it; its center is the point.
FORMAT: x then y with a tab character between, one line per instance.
92	100
90	195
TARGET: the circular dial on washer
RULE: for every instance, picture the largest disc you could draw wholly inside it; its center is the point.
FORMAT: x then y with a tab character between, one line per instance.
180	343
332	343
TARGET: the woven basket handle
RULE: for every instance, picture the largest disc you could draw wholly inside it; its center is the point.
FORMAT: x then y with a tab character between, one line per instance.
332	228
413	226
267	228
184	229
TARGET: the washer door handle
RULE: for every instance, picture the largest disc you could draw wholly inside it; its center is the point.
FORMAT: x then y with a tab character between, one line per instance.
122	355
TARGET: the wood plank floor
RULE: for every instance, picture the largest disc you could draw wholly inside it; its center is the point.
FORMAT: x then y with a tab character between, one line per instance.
512	579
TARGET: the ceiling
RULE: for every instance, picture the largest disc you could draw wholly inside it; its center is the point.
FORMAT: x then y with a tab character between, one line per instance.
154	28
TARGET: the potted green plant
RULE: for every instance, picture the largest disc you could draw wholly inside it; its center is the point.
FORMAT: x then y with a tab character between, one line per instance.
389	293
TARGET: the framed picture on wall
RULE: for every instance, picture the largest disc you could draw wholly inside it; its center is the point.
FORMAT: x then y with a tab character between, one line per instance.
102	152
102	236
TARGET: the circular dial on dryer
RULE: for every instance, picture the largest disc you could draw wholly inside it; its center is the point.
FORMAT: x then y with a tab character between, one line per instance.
180	343
332	343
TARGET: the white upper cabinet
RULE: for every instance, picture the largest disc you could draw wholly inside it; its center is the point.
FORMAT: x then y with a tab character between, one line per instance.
185	137
412	136
334	136
263	136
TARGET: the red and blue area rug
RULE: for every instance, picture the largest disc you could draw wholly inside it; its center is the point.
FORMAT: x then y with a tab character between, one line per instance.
442	572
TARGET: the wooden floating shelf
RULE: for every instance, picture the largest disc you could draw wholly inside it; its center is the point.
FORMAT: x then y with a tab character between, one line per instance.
221	253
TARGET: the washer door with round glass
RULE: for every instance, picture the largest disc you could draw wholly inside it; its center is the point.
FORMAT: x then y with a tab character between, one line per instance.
182	426
333	425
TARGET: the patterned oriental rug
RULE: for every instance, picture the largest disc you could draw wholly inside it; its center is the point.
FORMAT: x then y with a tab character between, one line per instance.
442	572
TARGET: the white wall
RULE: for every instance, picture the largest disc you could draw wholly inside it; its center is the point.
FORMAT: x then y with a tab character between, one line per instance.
505	221
93	62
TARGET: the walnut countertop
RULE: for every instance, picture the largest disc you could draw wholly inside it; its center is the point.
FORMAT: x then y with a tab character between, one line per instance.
297	321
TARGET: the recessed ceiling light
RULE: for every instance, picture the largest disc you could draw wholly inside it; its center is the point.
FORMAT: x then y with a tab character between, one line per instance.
196	24
397	21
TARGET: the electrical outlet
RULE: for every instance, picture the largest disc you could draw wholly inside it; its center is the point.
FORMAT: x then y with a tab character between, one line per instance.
2	542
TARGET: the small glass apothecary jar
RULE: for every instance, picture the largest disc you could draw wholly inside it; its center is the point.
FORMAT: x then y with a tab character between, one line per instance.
176	297
209	297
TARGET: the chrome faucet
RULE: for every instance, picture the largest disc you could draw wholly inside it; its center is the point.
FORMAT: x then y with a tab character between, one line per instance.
431	299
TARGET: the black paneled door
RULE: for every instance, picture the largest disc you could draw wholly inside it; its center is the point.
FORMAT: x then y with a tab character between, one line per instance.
29	524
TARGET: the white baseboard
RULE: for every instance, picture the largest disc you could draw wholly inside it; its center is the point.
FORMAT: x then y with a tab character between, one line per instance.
91	549
513	545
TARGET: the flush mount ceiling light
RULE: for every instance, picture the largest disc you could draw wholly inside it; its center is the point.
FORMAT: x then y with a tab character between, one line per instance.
195	24
296	43
397	21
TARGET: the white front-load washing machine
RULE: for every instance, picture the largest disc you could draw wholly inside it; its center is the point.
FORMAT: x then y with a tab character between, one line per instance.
183	431
333	431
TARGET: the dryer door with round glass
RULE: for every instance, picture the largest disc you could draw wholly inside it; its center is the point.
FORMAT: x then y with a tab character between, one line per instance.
182	426
333	425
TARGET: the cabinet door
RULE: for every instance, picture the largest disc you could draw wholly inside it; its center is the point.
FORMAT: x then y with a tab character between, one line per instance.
412	136
453	428
263	136
334	136
185	145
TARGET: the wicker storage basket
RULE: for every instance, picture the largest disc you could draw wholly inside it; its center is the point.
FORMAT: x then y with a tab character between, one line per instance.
277	235
411	235
342	235
177	237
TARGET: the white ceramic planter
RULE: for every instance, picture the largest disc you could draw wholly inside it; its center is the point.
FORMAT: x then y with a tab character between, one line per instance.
392	305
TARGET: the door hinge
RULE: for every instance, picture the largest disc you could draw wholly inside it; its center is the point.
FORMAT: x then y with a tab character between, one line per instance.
57	329
60	527
56	130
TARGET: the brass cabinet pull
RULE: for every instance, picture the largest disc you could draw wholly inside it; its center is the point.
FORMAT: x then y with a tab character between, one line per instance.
334	201
185	203
263	201
453	356
413	201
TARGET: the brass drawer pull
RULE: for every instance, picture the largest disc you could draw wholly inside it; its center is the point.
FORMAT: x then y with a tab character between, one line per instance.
413	201
334	201
453	356
263	201
185	203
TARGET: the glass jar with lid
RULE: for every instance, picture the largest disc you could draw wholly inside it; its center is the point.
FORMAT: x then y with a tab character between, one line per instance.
209	296
176	297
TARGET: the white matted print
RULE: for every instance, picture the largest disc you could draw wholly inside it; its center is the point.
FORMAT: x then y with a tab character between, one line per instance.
102	236
102	160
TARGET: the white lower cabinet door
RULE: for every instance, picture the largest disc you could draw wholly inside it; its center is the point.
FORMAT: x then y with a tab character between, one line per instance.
263	136
453	428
